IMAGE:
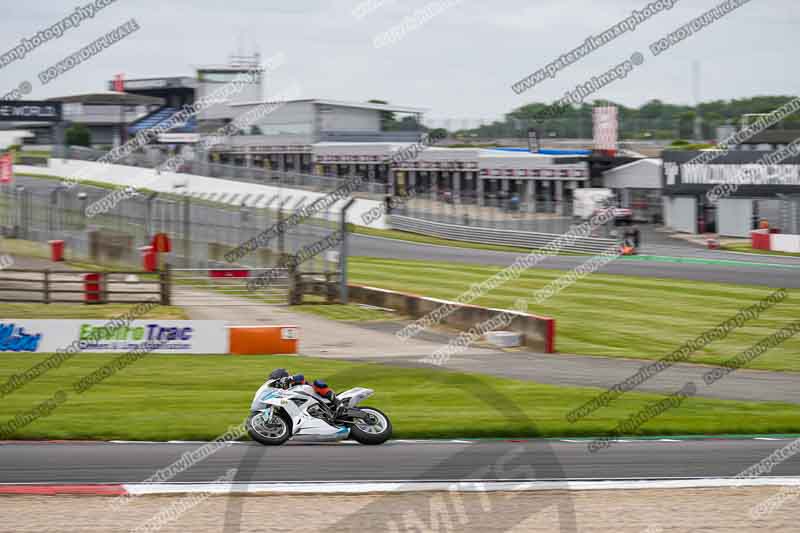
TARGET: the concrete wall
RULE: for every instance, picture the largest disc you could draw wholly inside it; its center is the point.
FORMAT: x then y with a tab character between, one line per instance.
538	332
734	217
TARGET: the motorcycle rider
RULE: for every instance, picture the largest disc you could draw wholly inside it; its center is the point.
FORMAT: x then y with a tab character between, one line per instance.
320	387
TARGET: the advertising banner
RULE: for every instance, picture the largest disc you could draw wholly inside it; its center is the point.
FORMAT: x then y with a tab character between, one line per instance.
179	138
684	172
606	127
98	336
6	168
29	111
119	83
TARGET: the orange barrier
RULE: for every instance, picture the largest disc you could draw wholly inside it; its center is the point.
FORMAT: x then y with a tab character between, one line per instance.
263	340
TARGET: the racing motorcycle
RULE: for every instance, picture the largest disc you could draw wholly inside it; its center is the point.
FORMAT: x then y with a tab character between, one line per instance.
281	411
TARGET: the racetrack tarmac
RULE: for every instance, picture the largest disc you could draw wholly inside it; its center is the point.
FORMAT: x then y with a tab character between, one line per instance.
776	272
724	267
606	372
395	461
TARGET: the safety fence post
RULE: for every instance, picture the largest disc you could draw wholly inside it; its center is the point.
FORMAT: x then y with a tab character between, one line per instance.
165	284
344	252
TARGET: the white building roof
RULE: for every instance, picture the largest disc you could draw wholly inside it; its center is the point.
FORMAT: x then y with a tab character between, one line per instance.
356	145
500	154
357	148
647	161
641	174
342	103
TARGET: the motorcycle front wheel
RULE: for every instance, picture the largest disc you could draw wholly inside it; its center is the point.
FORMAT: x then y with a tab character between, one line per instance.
375	431
273	434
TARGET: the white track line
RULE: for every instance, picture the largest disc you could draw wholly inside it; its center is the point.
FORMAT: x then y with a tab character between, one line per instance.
344	487
343	442
390	442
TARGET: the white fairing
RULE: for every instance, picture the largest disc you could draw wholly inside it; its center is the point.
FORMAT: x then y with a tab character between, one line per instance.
296	402
355	396
257	404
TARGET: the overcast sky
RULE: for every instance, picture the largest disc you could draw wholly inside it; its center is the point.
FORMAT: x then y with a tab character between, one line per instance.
459	64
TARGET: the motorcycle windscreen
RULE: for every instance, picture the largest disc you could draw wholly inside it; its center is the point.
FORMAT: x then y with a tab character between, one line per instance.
262	395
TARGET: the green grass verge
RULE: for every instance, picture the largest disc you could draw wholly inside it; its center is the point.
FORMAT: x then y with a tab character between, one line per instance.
425	239
163	397
34	153
109	311
22	248
41	250
608	315
747	248
348	313
85	182
142	190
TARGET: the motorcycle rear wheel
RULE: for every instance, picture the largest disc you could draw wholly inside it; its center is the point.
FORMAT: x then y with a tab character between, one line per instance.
372	434
274	434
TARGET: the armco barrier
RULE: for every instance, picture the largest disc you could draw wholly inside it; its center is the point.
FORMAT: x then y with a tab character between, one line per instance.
522	239
263	340
539	332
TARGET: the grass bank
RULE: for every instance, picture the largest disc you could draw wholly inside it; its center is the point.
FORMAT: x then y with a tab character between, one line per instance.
745	247
608	315
78	311
163	397
426	239
346	313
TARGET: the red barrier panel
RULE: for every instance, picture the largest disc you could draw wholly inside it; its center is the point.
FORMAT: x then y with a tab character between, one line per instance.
759	240
236	273
92	285
149	258
56	250
550	339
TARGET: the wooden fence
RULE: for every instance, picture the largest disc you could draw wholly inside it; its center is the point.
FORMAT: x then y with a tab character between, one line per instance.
75	286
